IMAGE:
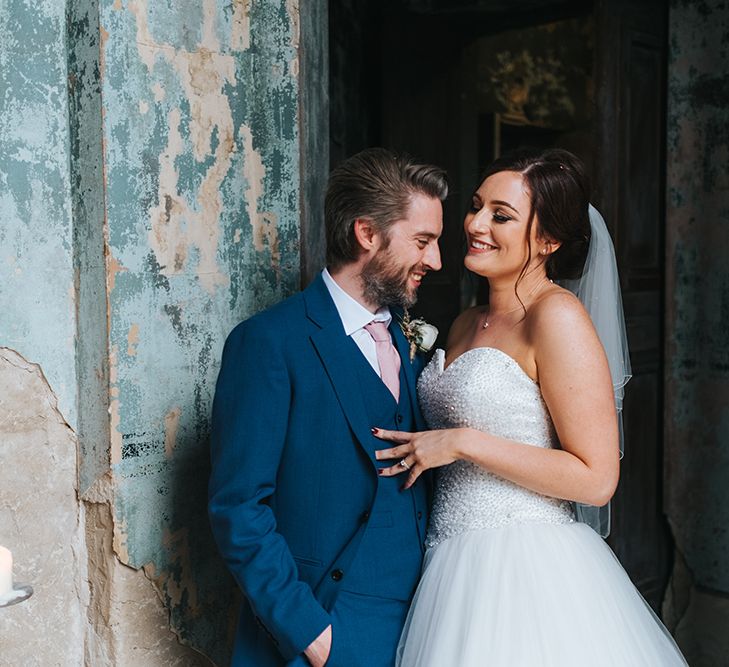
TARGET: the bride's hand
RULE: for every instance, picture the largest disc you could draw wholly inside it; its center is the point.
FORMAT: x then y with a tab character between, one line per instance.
418	452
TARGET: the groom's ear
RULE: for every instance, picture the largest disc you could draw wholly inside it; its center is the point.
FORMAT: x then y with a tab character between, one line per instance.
366	234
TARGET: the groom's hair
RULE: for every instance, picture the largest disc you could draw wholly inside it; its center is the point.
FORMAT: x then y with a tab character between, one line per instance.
376	184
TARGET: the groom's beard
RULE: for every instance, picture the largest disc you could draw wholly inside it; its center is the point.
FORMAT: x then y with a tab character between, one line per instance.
385	283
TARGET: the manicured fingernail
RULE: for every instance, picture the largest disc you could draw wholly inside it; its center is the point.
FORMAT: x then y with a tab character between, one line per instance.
381	471
374	430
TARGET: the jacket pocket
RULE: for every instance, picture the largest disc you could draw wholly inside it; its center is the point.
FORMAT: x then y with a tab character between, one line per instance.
311	562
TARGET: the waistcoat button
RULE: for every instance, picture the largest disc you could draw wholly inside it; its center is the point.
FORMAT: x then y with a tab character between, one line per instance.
399	419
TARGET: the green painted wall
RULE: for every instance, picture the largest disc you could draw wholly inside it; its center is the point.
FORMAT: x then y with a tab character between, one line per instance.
149	200
37	295
202	187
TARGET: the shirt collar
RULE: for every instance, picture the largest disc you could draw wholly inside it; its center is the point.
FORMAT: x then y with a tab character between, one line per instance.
353	314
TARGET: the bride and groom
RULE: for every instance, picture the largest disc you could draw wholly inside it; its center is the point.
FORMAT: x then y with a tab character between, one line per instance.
375	512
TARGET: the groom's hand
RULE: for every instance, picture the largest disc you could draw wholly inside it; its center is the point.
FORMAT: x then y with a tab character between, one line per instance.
317	653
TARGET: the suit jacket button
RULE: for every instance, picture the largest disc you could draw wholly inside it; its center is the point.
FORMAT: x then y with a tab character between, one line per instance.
399	419
337	575
365	517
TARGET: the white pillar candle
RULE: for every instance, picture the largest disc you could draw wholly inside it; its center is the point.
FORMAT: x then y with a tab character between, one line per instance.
6	571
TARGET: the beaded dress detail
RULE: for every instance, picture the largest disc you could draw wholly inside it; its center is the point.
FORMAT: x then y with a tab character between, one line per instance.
487	390
510	579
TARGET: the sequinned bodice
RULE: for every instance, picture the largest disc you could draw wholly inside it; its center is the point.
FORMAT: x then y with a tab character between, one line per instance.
487	390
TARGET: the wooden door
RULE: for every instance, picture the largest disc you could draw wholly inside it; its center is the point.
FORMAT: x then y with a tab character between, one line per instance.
631	61
417	92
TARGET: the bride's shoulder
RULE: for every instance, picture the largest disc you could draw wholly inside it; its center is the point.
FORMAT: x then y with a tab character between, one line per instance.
559	313
565	344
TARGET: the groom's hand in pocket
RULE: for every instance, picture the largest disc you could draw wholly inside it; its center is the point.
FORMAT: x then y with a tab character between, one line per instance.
317	653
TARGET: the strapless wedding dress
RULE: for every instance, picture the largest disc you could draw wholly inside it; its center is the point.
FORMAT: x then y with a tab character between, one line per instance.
510	579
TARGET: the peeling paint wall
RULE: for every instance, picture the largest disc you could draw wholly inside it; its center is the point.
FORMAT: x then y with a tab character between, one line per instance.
41	521
149	200
697	354
88	212
314	132
202	186
36	241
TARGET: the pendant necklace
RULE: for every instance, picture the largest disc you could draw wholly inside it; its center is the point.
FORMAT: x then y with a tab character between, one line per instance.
485	324
486	319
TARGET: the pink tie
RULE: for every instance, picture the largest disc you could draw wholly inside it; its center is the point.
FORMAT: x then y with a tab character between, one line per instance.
387	357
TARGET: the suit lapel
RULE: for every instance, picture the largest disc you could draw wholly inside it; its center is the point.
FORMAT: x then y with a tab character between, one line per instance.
339	356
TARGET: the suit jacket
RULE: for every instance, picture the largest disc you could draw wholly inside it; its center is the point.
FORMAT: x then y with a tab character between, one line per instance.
293	475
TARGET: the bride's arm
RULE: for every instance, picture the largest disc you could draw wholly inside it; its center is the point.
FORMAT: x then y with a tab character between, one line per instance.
575	382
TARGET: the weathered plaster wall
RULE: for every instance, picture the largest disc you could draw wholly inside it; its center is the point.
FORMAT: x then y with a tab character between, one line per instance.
149	200
697	360
314	132
36	241
40	521
89	215
201	161
40	517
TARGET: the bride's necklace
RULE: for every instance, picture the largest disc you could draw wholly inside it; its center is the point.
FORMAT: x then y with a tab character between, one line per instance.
486	319
485	324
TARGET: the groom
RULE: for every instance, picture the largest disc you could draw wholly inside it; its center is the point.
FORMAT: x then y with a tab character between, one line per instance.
326	552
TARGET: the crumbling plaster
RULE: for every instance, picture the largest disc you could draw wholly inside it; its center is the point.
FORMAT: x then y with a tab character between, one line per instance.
149	194
40	521
36	243
202	186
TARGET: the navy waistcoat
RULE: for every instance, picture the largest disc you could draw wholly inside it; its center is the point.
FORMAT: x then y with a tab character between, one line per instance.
396	523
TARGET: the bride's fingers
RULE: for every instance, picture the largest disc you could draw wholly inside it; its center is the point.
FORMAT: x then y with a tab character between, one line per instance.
403	465
395	436
412	478
393	453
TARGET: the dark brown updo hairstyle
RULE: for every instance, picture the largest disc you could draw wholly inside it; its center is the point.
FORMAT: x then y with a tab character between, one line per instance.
560	199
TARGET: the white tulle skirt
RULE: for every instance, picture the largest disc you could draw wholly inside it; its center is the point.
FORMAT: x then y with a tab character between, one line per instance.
531	595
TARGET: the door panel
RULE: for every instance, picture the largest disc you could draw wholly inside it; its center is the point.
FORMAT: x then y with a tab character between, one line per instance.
630	189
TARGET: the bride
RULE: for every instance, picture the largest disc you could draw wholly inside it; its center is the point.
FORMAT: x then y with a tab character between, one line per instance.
522	408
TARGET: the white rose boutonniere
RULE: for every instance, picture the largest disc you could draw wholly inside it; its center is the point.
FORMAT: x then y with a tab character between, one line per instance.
418	333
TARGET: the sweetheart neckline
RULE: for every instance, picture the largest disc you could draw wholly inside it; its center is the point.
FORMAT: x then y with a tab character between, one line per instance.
514	362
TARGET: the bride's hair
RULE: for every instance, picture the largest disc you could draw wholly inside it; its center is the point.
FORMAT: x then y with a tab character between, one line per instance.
560	197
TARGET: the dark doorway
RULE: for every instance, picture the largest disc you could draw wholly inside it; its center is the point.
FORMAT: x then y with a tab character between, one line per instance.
459	82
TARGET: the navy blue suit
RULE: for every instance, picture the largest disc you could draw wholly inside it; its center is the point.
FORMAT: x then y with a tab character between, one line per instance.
311	533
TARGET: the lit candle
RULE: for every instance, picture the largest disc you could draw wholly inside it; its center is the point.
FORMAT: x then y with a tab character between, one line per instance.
6	572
